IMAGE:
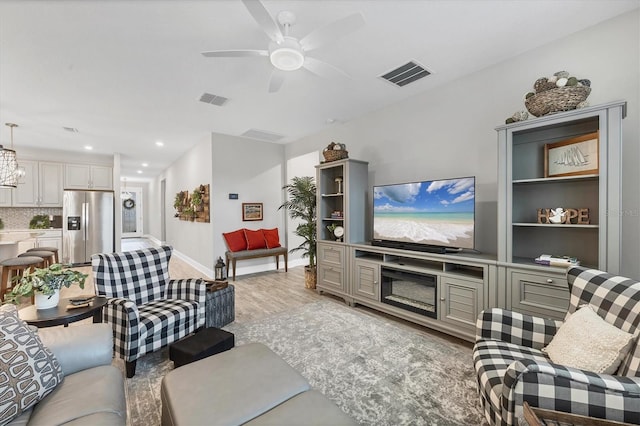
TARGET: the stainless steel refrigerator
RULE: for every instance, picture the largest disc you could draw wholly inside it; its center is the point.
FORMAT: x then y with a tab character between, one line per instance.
87	225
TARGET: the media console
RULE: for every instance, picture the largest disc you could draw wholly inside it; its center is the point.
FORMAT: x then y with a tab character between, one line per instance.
445	292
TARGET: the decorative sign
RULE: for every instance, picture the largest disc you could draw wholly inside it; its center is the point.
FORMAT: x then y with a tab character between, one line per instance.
562	215
571	157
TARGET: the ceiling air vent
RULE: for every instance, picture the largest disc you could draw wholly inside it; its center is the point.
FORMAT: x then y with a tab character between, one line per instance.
213	99
405	74
262	135
71	129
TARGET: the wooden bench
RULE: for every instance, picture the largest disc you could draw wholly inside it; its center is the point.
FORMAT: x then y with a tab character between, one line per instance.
233	256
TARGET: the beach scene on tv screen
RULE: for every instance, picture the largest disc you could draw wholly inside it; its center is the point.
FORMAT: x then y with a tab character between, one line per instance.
439	212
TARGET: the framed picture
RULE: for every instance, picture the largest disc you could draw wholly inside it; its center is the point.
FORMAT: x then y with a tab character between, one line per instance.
251	211
575	156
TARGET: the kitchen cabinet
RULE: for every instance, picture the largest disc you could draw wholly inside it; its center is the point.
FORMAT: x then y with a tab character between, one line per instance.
86	176
51	238
40	186
5	197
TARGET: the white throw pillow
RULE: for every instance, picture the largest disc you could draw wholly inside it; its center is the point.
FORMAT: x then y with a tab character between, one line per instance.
588	342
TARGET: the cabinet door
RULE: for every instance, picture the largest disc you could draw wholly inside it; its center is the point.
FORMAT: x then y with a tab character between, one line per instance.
101	177
50	242
331	267
5	197
50	187
77	176
26	194
542	295
460	301
366	280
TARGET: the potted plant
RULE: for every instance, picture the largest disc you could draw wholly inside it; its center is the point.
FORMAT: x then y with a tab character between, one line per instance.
302	205
45	285
178	203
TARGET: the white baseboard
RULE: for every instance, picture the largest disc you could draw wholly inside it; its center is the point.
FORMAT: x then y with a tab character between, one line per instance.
209	273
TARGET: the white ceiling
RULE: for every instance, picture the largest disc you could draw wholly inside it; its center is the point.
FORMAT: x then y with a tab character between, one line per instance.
129	73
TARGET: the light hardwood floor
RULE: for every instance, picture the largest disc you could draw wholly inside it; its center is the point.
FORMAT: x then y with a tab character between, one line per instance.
256	295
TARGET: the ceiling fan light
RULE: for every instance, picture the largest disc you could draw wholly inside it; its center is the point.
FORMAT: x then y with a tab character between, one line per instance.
287	59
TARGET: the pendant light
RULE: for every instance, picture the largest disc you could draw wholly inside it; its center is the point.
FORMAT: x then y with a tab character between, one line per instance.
8	164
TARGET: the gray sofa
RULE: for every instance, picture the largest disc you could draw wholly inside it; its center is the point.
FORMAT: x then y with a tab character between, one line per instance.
92	392
249	385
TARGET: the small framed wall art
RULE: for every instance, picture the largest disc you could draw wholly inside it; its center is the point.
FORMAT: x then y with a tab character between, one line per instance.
251	211
571	157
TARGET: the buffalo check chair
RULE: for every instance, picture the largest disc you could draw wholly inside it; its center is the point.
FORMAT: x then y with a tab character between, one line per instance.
146	309
511	368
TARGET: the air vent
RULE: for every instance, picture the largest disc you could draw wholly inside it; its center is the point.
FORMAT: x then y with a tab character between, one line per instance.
213	99
405	74
71	129
262	135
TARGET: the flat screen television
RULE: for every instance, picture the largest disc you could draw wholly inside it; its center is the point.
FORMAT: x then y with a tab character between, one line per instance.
435	215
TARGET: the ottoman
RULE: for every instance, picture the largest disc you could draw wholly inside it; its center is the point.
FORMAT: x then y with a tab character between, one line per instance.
248	384
206	342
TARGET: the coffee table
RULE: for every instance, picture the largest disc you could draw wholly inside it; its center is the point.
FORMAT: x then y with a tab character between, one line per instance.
60	315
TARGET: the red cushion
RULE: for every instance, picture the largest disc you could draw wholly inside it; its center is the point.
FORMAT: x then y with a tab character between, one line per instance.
255	239
271	237
236	241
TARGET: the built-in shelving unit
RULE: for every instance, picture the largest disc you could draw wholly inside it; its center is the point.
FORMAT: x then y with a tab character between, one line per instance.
524	188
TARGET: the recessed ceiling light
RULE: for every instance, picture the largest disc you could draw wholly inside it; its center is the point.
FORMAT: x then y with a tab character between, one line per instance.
159	143
139	172
88	147
145	164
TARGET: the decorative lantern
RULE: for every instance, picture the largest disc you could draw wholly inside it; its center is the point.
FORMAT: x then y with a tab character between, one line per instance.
219	270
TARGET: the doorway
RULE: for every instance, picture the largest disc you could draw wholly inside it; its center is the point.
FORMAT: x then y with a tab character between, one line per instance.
132	209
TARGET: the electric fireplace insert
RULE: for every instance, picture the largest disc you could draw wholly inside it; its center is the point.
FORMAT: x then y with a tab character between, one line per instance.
413	291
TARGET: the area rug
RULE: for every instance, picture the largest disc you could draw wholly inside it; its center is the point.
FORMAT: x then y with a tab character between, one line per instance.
378	372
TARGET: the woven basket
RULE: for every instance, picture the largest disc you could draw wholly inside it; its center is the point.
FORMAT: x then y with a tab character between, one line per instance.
560	99
335	154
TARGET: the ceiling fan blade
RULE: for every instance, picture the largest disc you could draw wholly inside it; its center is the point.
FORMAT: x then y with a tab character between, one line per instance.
264	19
323	69
234	53
331	32
277	78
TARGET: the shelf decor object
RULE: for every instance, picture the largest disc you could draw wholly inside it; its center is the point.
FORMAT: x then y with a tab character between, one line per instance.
251	211
572	157
559	92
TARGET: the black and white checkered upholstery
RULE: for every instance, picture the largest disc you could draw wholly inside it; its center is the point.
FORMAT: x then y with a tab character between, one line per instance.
147	310
511	368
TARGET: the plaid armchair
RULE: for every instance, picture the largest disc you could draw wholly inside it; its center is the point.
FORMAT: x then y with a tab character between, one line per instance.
511	368
146	309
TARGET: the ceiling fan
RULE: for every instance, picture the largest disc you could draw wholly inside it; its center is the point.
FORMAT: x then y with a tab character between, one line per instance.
288	53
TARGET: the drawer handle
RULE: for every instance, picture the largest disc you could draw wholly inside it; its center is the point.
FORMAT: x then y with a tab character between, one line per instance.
549	280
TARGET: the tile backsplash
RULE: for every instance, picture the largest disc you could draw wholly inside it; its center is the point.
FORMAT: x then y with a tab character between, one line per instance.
19	217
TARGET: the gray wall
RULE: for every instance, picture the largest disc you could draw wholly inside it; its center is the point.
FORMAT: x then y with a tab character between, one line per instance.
449	131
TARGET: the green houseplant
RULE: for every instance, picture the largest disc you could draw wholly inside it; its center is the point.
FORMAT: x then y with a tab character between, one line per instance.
301	204
46	282
196	199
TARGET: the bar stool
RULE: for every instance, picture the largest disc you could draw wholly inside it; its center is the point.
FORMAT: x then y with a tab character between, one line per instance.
51	249
48	257
16	266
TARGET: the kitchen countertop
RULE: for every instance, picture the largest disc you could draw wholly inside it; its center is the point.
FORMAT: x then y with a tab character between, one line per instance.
15	236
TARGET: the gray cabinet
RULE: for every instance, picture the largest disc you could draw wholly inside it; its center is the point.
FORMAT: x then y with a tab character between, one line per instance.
366	279
331	268
461	301
540	293
342	188
526	185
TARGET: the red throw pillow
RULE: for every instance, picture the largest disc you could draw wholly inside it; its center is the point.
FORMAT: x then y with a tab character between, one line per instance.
271	237
236	241
255	239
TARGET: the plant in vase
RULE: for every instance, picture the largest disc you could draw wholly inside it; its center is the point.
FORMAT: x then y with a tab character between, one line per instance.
302	205
44	284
